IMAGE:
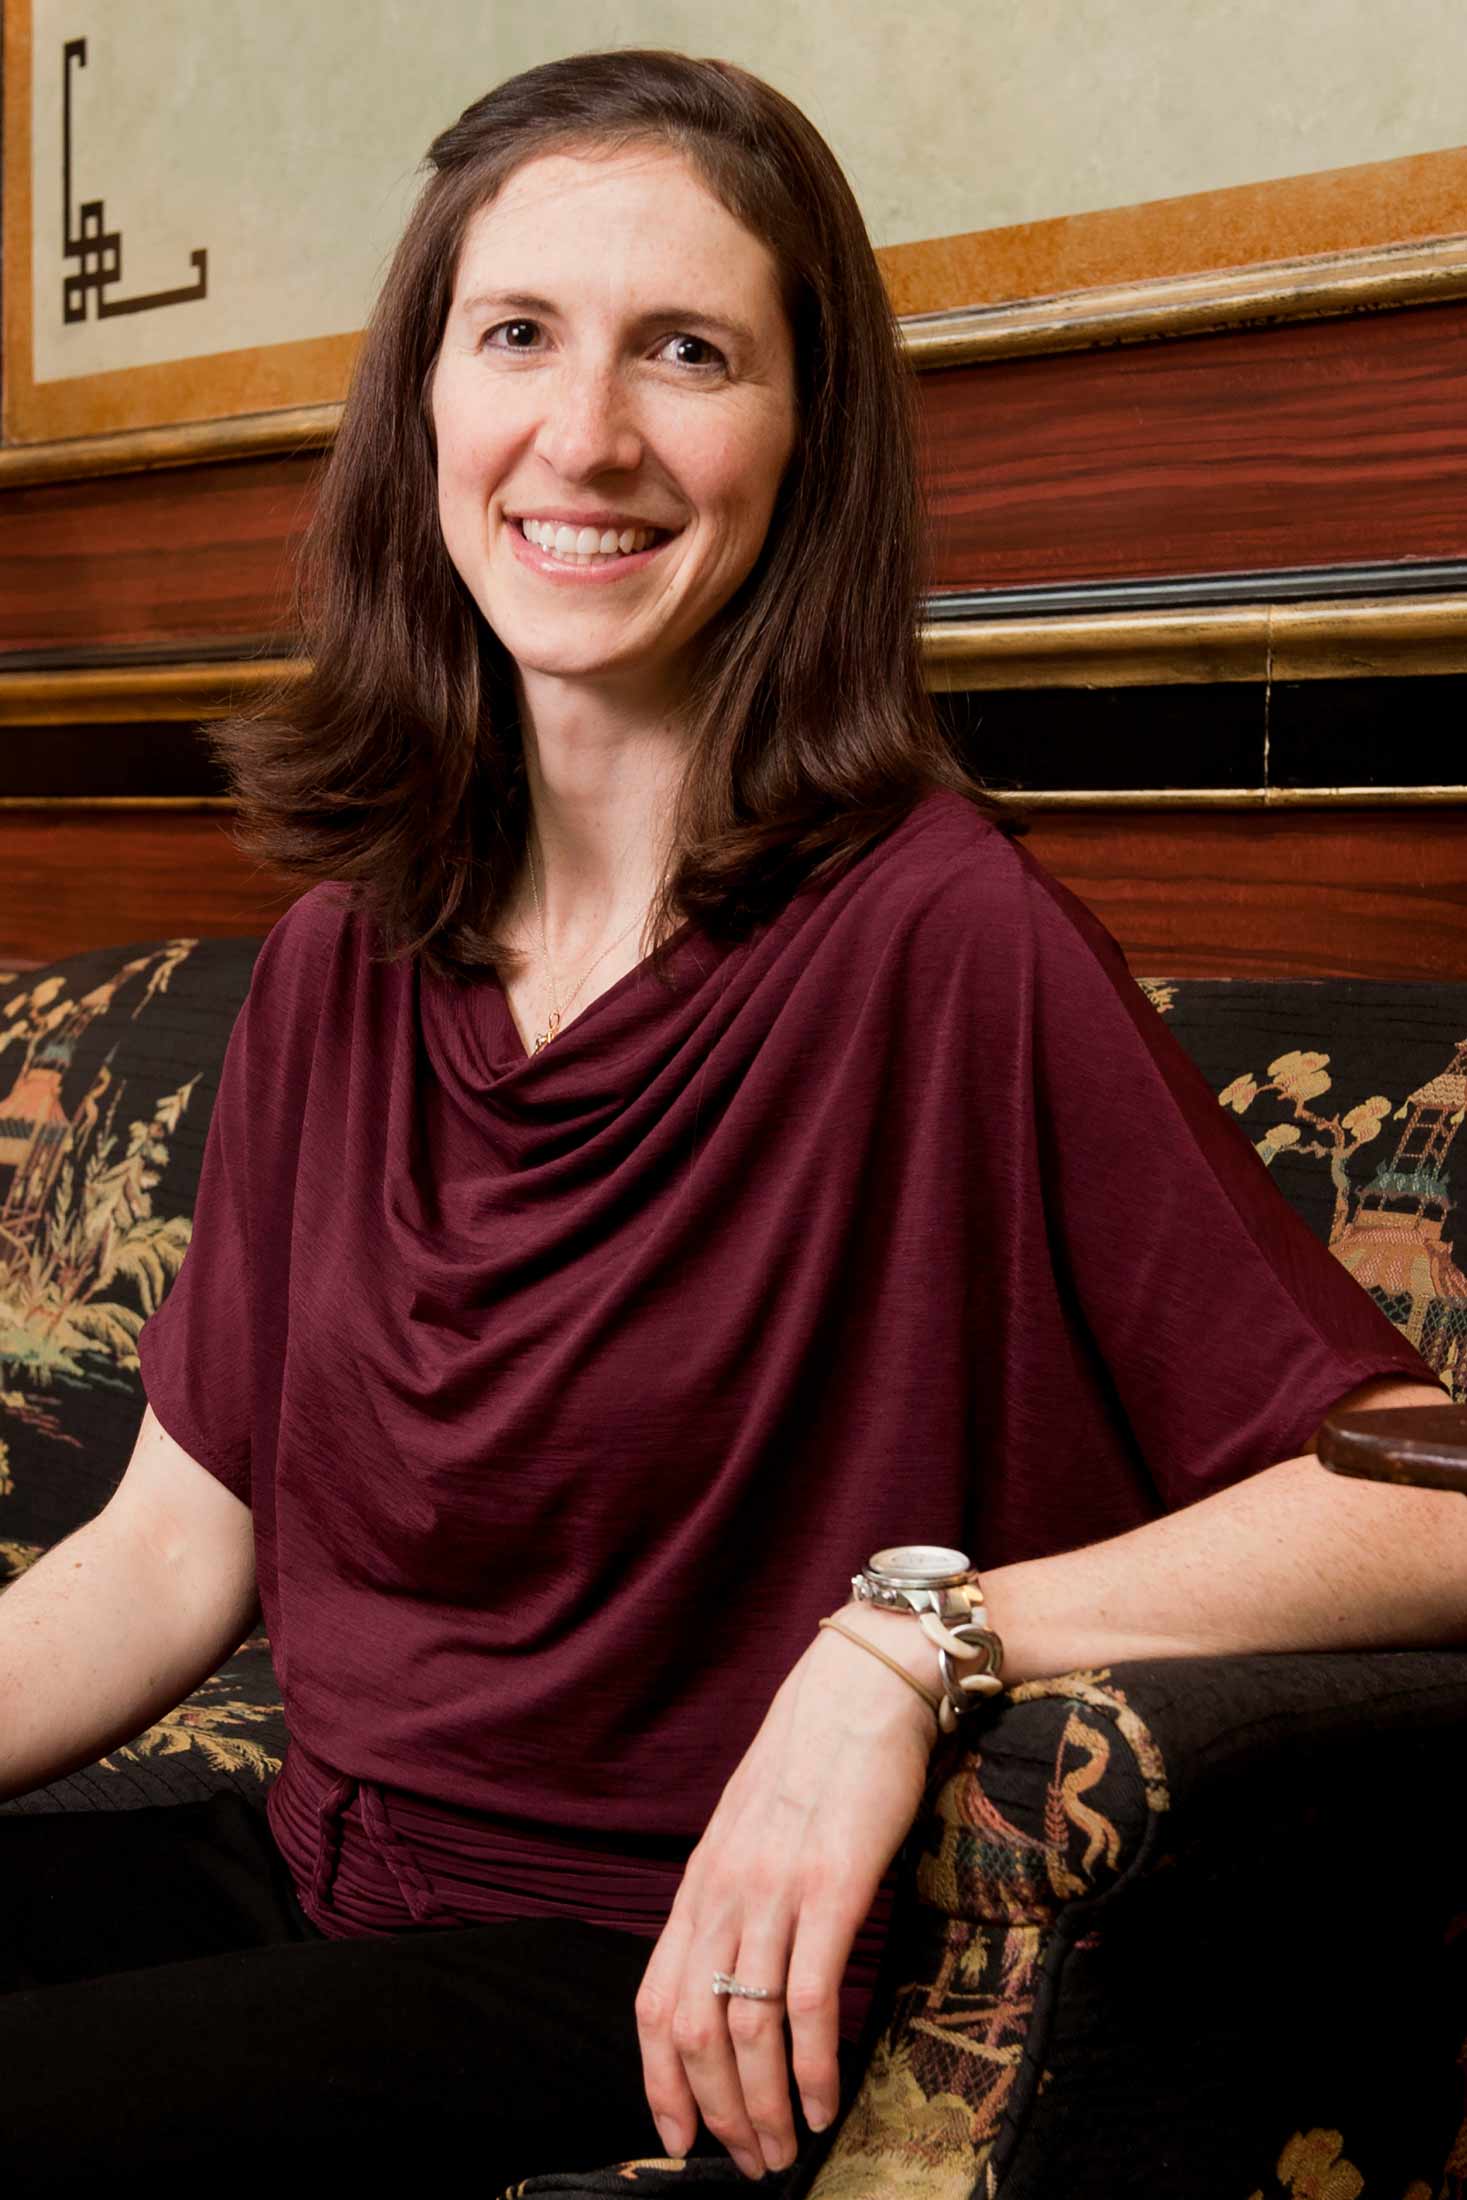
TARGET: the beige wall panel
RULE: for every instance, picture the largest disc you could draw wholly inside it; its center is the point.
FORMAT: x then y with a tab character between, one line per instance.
284	141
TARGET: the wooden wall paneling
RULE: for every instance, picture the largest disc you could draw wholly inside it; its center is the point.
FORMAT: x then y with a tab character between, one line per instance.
94	876
1314	443
1227	893
138	561
1206	893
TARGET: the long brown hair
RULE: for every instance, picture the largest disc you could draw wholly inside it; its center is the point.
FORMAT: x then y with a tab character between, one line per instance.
397	765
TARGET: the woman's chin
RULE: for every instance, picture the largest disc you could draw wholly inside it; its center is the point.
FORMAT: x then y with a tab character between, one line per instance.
592	666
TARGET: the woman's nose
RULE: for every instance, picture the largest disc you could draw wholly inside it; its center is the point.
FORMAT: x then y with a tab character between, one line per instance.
588	425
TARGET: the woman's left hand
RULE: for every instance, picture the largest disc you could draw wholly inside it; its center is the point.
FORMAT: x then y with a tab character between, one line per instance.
775	1893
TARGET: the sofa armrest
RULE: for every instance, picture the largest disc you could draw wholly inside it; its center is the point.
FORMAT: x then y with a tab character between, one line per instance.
1425	1446
1083	1974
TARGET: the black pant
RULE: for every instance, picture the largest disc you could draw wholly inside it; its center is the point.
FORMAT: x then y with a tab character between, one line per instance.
164	2003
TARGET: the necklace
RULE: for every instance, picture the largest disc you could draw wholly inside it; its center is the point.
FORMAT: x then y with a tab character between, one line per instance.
557	1010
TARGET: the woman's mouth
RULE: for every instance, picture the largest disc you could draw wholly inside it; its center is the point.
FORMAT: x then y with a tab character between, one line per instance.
553	548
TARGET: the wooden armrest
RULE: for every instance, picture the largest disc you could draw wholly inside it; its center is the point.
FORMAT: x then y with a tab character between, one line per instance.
1425	1445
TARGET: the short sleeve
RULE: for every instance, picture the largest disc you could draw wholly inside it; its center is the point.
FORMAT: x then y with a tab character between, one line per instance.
1226	1328
203	1354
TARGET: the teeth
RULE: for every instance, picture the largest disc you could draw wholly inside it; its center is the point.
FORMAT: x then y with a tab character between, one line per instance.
577	545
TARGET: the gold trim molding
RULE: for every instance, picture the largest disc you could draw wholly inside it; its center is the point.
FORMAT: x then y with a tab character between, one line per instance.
1327	640
1331	639
137	694
1316	288
1232	798
1174	306
286	434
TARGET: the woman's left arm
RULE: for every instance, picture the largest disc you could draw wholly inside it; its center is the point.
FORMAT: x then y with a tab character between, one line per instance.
1293	1558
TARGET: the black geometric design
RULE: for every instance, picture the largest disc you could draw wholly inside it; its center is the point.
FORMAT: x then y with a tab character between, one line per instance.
97	248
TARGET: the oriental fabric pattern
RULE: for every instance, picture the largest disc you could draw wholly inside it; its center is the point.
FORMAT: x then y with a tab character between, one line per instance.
84	1259
992	1881
929	2116
109	1063
1389	1198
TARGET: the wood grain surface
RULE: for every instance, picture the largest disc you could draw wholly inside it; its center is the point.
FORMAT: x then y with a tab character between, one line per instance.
1289	893
89	569
1299	893
100	878
1314	443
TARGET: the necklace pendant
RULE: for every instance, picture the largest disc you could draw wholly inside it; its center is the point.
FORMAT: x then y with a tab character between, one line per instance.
548	1033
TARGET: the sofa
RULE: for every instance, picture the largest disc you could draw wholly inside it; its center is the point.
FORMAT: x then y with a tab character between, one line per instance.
1173	1930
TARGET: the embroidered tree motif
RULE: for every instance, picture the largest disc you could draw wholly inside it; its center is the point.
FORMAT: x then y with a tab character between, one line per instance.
210	1723
76	1212
1394	1242
1299	1078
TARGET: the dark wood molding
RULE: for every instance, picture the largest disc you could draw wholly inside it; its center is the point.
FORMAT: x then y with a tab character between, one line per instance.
131	694
1383	578
100	878
1253	642
163	560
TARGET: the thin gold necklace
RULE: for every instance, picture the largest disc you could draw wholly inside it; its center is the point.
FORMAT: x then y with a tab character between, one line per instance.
557	1011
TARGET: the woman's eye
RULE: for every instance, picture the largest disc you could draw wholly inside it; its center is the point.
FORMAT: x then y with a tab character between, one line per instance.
714	357
501	326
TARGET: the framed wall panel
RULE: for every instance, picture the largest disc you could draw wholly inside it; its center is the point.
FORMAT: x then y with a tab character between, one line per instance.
193	233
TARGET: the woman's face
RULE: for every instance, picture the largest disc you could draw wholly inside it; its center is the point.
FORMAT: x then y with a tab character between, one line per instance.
616	358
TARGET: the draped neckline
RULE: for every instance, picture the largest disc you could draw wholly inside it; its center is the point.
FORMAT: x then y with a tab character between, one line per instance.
515	1051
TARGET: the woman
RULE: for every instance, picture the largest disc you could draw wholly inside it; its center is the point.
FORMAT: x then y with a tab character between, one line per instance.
684	1160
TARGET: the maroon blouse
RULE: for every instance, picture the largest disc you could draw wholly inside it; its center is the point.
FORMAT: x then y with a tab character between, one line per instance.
568	1389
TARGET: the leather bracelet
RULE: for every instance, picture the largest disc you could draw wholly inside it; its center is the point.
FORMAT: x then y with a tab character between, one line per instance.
925	1693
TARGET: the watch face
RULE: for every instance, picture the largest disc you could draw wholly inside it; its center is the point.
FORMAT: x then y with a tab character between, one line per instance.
919	1565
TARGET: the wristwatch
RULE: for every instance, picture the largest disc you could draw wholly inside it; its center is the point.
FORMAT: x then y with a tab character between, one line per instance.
943	1592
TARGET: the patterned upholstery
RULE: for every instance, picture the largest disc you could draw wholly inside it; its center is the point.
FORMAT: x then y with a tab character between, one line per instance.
1182	1928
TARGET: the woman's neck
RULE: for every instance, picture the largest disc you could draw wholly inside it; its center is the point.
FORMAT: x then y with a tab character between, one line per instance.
602	789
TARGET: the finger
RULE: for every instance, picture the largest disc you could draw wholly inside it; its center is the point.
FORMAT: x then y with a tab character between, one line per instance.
701	2037
817	1964
664	2081
756	2031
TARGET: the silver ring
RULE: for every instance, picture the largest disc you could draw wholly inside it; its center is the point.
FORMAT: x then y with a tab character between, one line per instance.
725	1983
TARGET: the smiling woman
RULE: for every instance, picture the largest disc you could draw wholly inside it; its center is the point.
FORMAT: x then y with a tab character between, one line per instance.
554	1347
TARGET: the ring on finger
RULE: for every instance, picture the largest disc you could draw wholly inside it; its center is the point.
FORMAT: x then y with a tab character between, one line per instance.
725	1983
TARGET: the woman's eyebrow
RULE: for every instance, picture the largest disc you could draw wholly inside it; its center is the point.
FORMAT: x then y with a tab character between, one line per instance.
523	301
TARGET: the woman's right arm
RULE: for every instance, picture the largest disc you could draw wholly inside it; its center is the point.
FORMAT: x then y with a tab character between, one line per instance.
123	1620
